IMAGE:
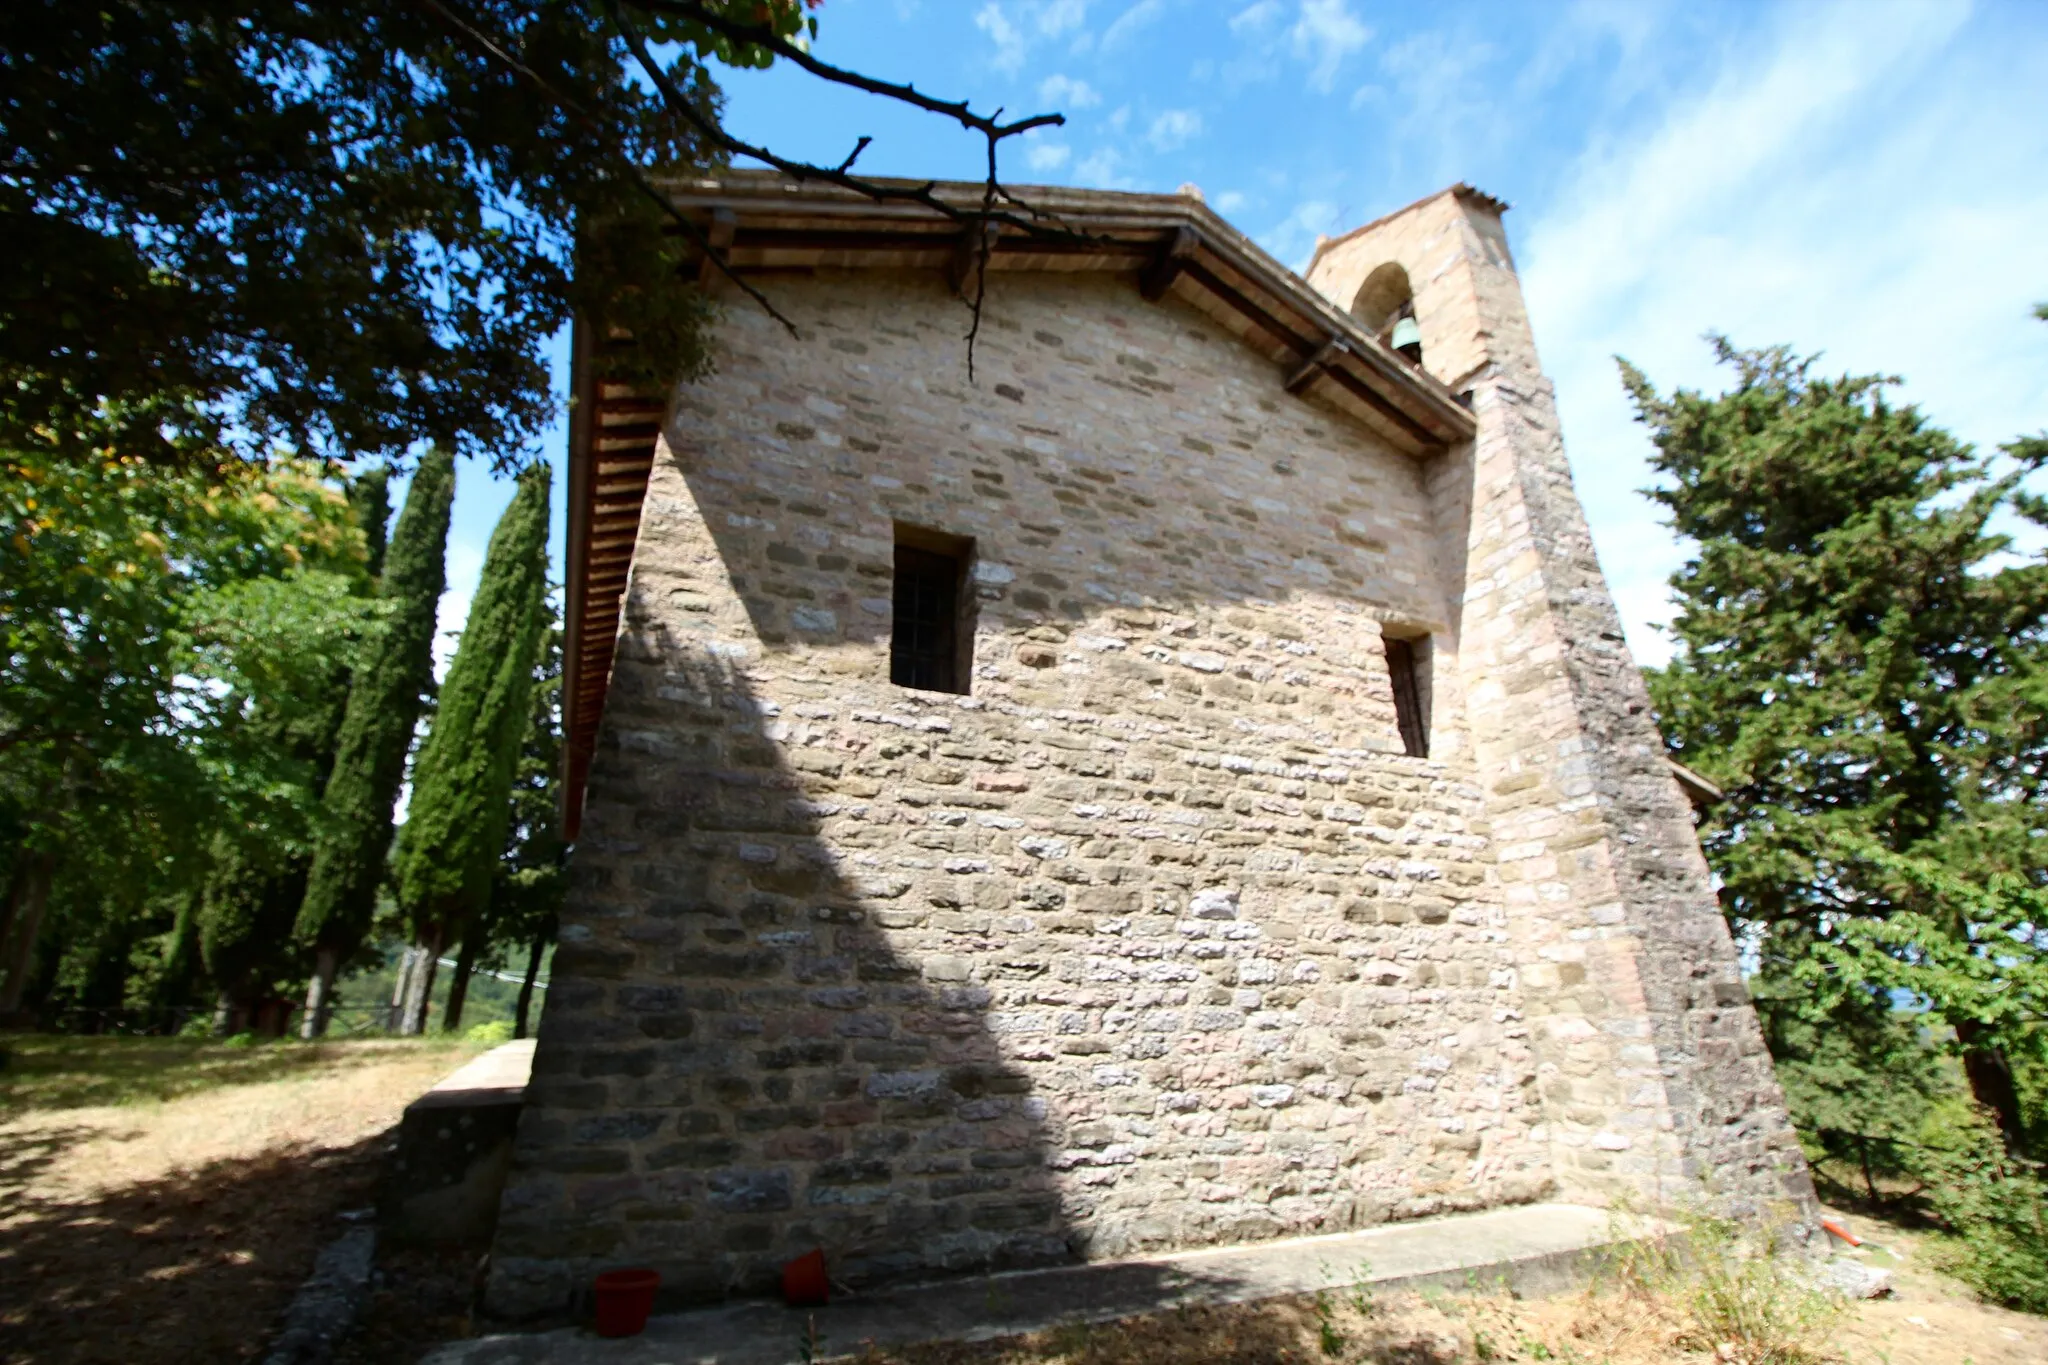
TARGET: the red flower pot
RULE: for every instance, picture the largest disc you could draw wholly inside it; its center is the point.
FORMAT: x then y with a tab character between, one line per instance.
803	1281
624	1299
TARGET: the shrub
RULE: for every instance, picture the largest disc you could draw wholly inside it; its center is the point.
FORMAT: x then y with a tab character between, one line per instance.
497	1031
1995	1207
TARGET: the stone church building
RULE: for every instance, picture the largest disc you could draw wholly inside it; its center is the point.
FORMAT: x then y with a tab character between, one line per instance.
1185	785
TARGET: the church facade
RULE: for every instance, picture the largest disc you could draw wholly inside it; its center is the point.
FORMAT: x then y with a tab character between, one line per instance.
1184	785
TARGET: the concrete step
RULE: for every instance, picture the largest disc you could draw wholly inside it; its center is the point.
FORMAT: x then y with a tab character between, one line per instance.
1533	1249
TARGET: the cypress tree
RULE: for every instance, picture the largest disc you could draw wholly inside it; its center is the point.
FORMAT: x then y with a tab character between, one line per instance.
461	805
526	896
395	672
369	493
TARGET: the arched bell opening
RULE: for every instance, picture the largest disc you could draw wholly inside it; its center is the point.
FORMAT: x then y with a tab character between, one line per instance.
1385	304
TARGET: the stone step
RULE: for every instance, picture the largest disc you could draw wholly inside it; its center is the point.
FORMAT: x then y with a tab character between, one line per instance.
1532	1249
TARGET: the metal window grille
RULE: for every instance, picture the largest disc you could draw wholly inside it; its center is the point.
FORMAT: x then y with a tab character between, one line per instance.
1408	714
924	647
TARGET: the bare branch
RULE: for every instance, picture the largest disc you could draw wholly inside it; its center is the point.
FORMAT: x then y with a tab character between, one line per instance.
854	155
923	195
999	205
760	35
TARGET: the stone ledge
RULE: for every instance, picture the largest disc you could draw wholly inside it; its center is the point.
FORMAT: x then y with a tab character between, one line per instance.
1531	1249
454	1150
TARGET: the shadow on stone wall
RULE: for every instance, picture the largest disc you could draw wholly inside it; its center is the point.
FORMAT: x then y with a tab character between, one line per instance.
735	1065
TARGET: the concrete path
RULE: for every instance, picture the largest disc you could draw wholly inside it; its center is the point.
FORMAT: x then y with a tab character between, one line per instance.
1537	1248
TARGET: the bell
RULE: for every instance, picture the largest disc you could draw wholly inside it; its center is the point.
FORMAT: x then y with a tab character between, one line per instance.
1407	339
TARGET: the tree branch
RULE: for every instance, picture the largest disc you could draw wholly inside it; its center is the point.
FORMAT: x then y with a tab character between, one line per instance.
922	195
760	35
640	178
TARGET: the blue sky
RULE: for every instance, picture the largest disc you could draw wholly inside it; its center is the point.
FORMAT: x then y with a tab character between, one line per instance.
1865	179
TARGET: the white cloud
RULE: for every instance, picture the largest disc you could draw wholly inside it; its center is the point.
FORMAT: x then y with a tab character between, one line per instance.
1174	129
1047	156
1229	202
1130	21
1856	183
1324	35
465	565
1255	17
1103	170
1014	26
1294	237
1068	92
1008	38
1059	16
1444	103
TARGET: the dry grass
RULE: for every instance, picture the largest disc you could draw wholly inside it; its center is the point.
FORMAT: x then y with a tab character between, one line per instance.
1453	1329
160	1201
1624	1318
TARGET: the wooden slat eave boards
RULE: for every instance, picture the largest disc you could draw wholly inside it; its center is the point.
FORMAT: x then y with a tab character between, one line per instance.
1173	244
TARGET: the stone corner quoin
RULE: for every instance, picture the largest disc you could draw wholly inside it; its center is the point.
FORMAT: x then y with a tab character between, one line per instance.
1159	935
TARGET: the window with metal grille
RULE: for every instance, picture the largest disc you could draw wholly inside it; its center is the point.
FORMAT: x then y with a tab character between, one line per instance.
1411	692
931	646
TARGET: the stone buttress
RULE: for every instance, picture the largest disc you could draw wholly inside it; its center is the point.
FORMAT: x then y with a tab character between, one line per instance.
1655	1082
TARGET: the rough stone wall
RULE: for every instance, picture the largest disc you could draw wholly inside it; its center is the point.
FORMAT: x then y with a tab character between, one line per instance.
1653	1073
1156	939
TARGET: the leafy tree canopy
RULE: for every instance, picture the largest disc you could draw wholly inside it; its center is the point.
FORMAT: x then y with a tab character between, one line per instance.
348	226
169	631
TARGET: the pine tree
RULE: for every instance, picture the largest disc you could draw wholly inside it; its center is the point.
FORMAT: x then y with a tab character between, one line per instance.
395	671
455	826
1863	664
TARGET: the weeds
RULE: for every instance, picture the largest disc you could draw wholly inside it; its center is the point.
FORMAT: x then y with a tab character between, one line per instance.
1731	1288
1327	1335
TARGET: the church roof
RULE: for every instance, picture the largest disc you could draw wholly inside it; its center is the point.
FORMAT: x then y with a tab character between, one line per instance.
762	222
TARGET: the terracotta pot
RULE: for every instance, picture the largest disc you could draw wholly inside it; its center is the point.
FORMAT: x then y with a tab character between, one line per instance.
803	1281
624	1299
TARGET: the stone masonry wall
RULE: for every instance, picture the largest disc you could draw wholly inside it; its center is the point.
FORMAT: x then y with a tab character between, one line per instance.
1654	1077
1155	939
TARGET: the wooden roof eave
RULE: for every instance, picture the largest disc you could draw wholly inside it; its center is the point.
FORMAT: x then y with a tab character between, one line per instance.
776	224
